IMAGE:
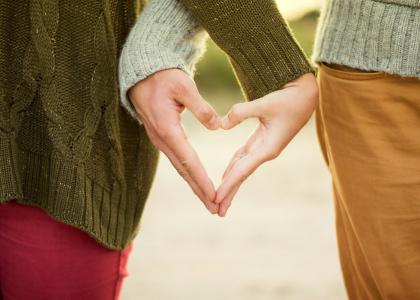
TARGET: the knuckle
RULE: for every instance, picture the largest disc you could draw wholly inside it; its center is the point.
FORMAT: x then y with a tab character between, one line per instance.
164	131
242	177
235	112
182	87
182	173
155	142
157	80
227	204
272	154
205	114
265	107
160	130
240	153
186	164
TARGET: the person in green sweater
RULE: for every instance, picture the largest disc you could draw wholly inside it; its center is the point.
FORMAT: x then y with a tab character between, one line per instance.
76	167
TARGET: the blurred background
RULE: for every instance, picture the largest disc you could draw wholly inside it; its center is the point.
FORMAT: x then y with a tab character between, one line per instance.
278	239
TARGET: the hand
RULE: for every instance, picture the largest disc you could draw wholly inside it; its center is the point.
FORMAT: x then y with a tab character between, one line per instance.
159	100
281	114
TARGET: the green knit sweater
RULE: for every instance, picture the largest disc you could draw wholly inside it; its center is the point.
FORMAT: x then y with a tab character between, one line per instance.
66	143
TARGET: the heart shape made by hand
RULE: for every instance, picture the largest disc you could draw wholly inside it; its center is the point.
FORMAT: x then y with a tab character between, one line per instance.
161	98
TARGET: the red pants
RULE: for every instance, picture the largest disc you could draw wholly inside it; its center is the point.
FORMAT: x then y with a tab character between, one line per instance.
41	258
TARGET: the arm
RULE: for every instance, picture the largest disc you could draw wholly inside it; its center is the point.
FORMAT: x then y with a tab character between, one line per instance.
164	36
265	57
281	114
155	70
257	40
271	68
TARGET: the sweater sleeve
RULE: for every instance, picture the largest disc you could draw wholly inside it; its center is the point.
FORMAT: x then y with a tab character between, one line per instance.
164	36
258	41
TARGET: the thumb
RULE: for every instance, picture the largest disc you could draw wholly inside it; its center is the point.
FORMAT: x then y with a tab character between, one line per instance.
240	112
200	108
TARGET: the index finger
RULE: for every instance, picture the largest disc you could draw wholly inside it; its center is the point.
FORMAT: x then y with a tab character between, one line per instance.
176	140
239	171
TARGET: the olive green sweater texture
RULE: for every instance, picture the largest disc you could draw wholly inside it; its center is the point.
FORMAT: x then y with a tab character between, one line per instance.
154	44
67	145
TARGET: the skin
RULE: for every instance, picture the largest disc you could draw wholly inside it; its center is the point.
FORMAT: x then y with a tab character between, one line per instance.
281	115
159	101
161	98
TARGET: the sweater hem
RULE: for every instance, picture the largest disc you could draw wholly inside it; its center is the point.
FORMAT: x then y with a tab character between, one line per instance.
62	219
67	193
370	35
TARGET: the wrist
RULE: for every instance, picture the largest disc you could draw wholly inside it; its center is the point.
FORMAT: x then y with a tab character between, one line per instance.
165	36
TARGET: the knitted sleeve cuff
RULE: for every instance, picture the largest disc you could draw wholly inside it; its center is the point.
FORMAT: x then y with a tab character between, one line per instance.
164	36
257	39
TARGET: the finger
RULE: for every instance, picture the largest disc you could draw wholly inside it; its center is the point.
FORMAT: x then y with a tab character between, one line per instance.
200	108
250	143
210	205
176	140
240	112
213	208
238	154
239	172
224	206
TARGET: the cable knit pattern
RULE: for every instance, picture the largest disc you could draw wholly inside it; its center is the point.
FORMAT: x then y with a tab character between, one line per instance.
378	35
165	36
67	144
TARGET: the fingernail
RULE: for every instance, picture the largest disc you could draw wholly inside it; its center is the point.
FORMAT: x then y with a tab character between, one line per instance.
211	199
214	122
225	123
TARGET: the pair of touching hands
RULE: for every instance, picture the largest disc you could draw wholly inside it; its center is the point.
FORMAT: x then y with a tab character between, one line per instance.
160	99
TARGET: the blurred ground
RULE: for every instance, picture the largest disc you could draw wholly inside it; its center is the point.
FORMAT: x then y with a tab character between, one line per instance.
278	239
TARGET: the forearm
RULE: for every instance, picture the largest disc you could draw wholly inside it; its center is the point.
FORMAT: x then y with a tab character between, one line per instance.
165	36
256	38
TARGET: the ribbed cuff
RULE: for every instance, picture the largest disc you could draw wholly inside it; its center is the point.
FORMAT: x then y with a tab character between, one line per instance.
266	60
165	36
257	39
